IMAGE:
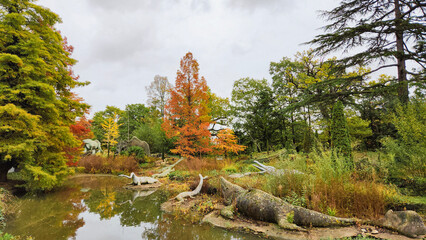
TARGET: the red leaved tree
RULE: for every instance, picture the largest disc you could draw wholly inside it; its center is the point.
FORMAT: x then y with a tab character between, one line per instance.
186	113
81	130
226	142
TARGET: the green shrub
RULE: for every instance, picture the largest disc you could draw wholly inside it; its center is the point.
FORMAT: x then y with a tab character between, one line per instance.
6	236
331	211
295	199
179	175
137	152
230	169
250	168
407	152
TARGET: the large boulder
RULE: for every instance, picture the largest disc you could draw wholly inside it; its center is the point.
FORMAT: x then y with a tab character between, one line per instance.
408	223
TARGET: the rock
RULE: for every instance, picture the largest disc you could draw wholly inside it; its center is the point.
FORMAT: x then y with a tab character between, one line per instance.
408	223
273	231
227	212
374	231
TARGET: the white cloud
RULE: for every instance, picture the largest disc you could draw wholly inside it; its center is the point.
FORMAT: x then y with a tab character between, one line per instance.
122	45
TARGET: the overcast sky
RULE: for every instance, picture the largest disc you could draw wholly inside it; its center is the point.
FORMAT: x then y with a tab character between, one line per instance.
121	45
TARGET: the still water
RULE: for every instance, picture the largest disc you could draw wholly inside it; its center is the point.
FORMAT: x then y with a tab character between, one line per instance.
97	207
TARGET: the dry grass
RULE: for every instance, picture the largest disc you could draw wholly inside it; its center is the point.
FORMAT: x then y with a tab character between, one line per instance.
99	164
350	199
202	164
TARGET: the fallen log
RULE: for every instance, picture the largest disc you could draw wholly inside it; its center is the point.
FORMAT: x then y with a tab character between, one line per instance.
263	206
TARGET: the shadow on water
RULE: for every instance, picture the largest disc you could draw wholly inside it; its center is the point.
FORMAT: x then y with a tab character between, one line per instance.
94	207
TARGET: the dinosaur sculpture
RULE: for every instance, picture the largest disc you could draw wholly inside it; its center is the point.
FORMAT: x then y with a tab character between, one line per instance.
266	169
92	146
139	180
166	170
263	206
181	196
134	141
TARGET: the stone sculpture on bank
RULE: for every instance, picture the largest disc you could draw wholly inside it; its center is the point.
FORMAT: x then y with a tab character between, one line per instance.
134	141
92	146
181	196
139	180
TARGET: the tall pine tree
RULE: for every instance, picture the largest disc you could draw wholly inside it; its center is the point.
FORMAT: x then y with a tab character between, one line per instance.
386	31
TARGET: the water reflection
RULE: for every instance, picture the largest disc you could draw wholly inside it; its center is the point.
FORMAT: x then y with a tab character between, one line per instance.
95	207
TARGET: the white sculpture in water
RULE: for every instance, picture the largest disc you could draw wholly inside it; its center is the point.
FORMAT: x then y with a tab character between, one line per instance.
139	180
181	196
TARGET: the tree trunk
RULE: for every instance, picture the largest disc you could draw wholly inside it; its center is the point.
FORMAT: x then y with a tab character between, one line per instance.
4	168
292	130
3	175
402	73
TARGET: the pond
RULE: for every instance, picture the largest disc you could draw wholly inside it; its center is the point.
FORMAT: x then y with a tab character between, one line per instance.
98	207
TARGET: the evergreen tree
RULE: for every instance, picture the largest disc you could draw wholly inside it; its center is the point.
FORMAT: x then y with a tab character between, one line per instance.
252	109
340	141
382	30
36	99
308	140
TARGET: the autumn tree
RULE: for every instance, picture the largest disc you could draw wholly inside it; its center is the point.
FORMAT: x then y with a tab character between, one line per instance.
158	93
81	130
226	142
110	126
383	31
100	117
186	114
36	86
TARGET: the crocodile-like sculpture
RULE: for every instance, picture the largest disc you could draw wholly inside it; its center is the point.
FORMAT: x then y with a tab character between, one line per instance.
139	180
263	206
181	196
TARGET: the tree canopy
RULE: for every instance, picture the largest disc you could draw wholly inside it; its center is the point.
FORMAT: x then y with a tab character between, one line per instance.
36	87
186	113
391	32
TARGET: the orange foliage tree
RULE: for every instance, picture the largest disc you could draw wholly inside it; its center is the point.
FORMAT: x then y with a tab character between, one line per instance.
80	130
226	142
186	113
